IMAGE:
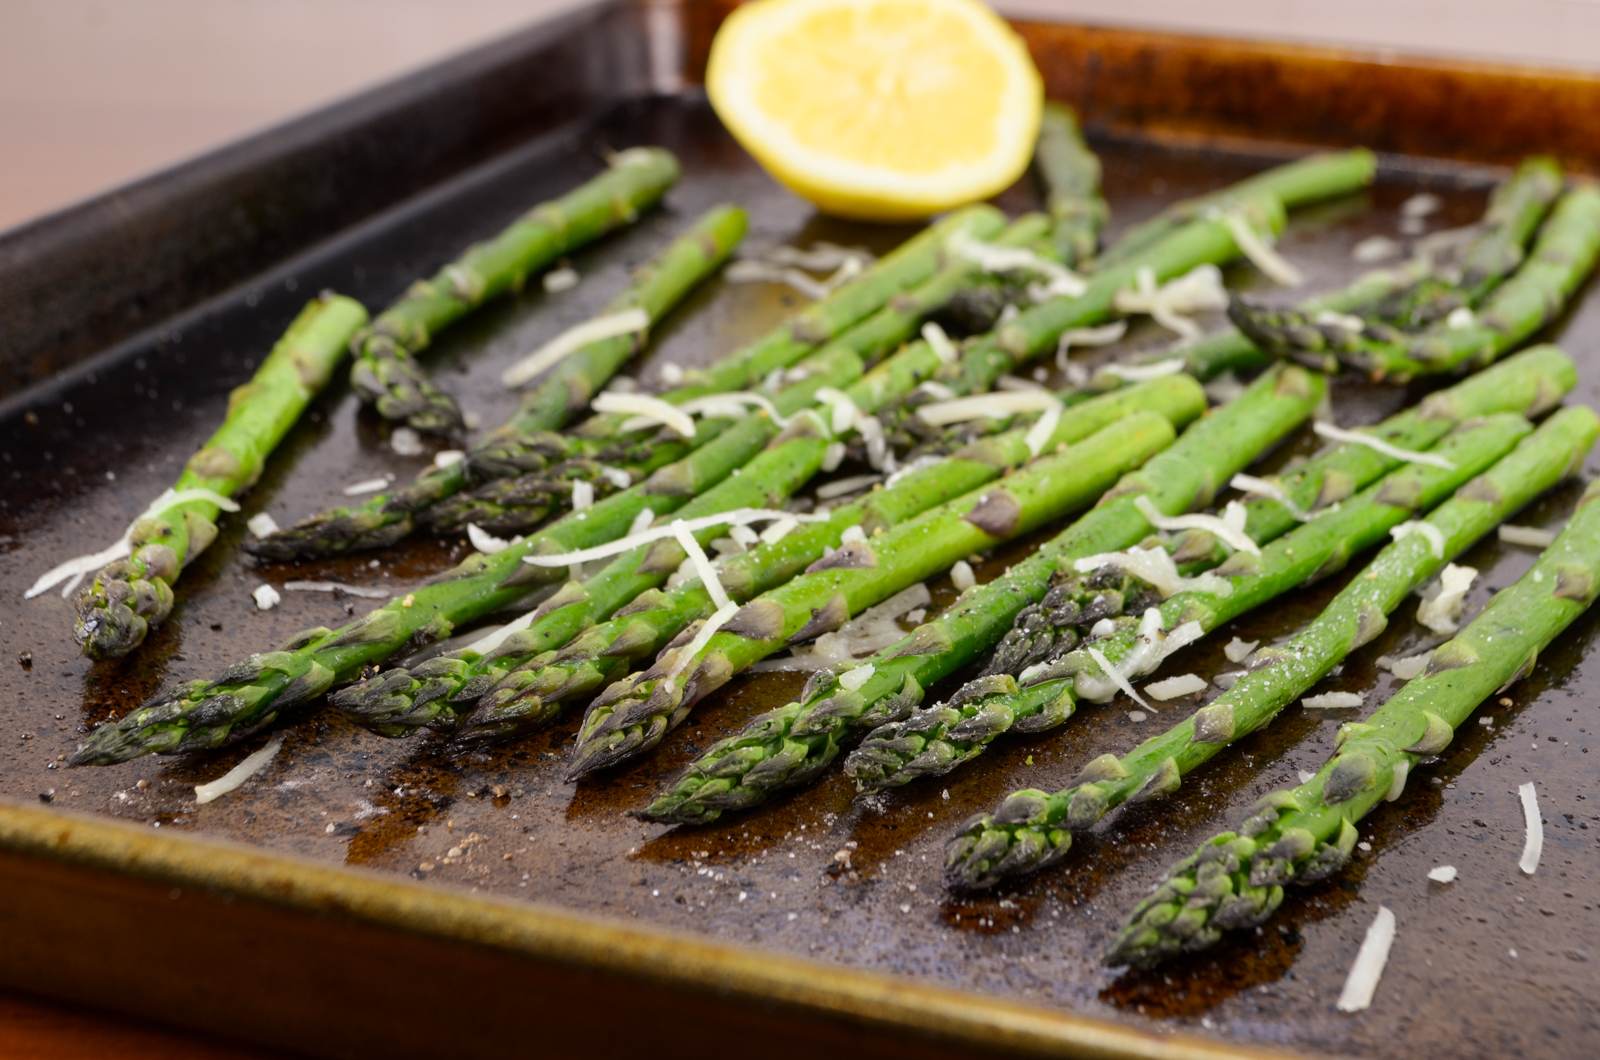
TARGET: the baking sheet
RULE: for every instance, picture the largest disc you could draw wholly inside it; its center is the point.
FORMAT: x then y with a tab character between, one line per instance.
1497	963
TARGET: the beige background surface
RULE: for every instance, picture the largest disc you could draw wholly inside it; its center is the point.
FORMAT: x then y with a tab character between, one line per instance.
96	92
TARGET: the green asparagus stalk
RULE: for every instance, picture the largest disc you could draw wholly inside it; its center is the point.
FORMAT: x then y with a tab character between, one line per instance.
386	374
512	505
1235	880
254	693
794	743
1562	256
129	596
936	741
655	288
1529	383
515	693
1032	829
1071	176
633	715
1304	181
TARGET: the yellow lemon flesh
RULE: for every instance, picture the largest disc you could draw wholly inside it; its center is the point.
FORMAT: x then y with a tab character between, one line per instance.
878	109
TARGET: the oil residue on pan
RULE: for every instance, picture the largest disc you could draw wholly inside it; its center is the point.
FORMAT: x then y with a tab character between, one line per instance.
1498	959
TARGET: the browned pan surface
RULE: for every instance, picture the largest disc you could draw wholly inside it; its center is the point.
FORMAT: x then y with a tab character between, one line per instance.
1496	964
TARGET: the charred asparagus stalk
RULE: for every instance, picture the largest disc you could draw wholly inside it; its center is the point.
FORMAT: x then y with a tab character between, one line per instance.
1032	829
794	743
127	597
655	289
1235	880
386	373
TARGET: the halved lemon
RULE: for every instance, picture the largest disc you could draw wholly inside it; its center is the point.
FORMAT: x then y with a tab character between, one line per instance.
878	109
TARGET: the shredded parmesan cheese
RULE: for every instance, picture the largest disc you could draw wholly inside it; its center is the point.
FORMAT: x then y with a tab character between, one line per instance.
820	256
1250	485
1423	529
252	764
844	410
961	575
1238	650
1140	373
405	442
617	477
1173	687
1530	536
1103	335
633	540
500	634
1338	434
730	406
1440	610
1533	824
1374	249
1229	528
641	521
557	280
702	563
1044	428
939	343
366	485
484	541
1362	982
853	679
73	570
1115	676
992	406
262	525
1405	668
702	637
841	487
779	530
626	322
1199	289
1332	701
582	495
646	410
266	597
1260	251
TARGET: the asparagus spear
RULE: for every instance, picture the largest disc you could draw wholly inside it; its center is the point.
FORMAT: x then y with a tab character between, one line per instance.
388	517
511	505
1235	881
117	609
1529	383
1563	255
386	374
633	715
252	694
1071	176
1306	180
794	743
1032	829
516	689
940	739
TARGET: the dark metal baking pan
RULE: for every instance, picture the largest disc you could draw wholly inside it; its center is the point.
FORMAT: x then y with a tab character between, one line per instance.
378	895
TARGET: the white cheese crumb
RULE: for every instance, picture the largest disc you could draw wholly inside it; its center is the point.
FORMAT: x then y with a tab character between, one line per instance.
1442	874
405	442
366	485
1332	701
1238	650
851	680
1362	981
262	525
1529	536
1173	687
266	597
233	778
961	575
1533	843
564	278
